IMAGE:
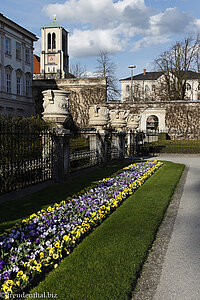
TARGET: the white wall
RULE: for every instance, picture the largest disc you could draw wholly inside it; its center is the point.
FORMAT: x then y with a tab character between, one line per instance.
11	103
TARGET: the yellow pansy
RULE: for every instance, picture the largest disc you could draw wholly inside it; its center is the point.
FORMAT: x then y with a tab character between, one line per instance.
57	244
24	277
38	268
20	273
66	238
55	256
49	209
78	234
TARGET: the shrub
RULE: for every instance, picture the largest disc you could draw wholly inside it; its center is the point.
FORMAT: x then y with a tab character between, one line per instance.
162	136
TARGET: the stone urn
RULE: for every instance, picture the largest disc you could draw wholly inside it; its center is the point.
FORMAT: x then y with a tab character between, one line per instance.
118	118
56	107
98	115
133	121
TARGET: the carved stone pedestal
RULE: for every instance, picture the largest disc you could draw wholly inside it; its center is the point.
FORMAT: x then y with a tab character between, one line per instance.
56	111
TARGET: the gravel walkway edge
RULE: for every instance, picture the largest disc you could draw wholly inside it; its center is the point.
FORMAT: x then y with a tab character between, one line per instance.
148	281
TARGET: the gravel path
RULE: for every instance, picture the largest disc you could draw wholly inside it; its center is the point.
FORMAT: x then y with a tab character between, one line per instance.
172	271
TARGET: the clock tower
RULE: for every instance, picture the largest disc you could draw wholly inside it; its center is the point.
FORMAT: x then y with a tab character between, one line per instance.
54	59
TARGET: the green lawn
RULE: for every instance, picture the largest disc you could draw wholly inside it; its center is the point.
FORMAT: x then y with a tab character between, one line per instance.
106	264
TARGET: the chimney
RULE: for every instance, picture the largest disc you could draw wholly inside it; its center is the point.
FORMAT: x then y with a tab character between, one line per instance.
144	71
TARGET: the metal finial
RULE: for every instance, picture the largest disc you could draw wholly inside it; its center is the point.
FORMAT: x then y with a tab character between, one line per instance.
54	17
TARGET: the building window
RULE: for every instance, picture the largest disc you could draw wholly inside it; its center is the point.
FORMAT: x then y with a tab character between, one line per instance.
188	86
8	46
18	85
53	69
53	41
127	88
8	83
27	55
153	87
18	51
28	87
146	88
49	40
136	89
199	87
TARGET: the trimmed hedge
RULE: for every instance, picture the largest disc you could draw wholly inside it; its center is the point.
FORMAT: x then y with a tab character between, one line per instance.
169	146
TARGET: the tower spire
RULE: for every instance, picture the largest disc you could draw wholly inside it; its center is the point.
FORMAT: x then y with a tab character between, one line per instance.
54	17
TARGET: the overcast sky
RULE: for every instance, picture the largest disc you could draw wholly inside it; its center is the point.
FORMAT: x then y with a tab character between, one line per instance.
132	31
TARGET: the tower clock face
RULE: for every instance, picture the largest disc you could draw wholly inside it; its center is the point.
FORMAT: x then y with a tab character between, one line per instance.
51	59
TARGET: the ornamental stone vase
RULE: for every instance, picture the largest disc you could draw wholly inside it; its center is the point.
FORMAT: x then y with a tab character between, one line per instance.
118	118
98	115
56	107
133	121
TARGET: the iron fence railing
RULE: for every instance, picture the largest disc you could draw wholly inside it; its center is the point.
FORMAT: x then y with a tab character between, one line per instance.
83	159
83	150
24	160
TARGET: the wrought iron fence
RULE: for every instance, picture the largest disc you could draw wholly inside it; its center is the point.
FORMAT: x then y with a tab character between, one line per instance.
26	153
83	150
112	145
114	152
85	147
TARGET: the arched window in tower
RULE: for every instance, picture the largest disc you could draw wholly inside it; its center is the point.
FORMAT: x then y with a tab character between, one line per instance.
63	43
49	40
54	41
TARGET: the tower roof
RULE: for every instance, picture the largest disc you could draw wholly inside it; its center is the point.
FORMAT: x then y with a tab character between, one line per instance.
53	24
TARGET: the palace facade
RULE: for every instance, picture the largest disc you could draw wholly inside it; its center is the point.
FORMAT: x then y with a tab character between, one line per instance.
16	68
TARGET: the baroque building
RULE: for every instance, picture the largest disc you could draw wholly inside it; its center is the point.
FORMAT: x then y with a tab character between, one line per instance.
16	68
150	86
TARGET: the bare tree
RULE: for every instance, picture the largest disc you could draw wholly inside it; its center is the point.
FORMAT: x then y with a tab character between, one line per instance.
78	70
107	68
175	64
197	56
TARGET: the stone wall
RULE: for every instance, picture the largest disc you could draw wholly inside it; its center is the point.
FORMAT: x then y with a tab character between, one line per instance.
183	116
83	93
174	115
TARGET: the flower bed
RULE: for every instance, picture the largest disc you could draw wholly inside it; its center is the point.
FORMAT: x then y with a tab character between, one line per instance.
39	242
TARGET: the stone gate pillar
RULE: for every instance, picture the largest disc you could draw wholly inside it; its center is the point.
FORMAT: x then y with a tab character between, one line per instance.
132	126
118	119
56	112
98	119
